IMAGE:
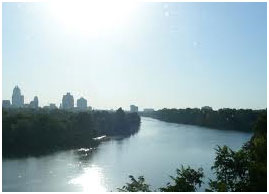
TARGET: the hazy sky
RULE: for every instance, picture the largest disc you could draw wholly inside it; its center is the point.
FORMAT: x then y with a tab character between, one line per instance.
153	55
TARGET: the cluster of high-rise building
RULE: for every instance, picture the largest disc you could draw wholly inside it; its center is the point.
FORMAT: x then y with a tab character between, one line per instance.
67	102
17	100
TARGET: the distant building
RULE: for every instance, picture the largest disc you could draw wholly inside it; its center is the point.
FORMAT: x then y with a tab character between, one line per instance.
133	108
68	101
6	104
90	108
148	110
82	103
34	103
17	98
206	108
53	106
50	107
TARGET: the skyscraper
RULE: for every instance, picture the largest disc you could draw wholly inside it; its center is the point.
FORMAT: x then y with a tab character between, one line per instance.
82	103
17	98
68	101
34	103
133	108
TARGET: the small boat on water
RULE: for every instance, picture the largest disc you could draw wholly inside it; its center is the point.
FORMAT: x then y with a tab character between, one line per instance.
84	149
101	138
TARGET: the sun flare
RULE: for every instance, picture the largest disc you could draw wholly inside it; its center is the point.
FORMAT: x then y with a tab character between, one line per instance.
90	180
92	17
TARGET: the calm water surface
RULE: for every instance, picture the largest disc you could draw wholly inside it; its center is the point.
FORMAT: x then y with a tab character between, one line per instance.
155	152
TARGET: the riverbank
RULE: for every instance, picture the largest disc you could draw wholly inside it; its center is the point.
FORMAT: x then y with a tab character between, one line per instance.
157	145
28	132
223	119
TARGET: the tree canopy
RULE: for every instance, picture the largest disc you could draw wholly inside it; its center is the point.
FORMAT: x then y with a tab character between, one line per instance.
37	132
226	118
236	171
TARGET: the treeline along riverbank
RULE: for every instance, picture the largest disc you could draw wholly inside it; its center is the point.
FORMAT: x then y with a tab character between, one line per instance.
243	170
30	132
229	119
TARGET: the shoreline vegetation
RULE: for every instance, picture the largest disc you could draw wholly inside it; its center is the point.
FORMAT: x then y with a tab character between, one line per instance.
36	132
223	119
244	170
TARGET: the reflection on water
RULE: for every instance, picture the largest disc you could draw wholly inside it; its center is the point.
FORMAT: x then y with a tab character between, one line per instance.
84	154
155	152
90	180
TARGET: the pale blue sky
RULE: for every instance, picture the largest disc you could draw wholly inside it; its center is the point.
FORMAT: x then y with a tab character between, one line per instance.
158	55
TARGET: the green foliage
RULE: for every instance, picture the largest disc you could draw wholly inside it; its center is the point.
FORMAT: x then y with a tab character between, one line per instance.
229	119
135	185
231	169
187	180
37	132
236	171
116	123
246	169
257	149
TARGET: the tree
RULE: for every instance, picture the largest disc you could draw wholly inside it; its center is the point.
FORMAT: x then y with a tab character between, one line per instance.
187	180
120	114
135	185
37	132
257	148
231	169
246	169
236	171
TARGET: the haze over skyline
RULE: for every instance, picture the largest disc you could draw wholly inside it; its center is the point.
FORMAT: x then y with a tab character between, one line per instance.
153	55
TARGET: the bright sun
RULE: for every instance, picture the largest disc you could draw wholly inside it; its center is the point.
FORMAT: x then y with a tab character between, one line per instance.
92	17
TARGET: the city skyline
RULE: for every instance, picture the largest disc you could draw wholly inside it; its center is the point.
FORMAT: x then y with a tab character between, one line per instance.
17	101
81	103
162	55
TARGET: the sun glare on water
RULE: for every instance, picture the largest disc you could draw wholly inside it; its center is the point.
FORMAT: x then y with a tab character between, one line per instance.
91	17
90	180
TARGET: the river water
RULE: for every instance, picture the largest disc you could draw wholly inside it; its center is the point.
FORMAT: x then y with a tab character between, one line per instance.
154	152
